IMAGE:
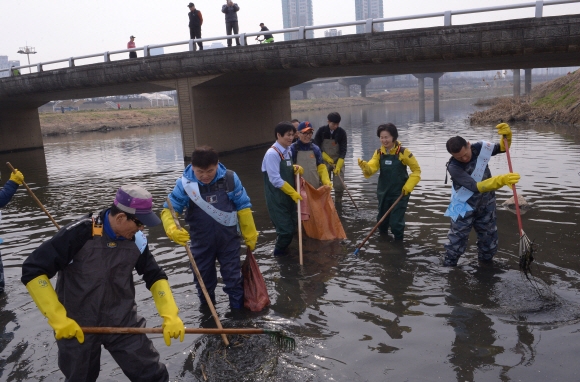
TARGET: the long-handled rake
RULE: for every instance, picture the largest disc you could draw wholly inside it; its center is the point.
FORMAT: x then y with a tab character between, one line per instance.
276	336
526	249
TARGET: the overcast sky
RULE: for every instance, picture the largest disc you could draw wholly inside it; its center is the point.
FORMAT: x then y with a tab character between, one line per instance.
65	28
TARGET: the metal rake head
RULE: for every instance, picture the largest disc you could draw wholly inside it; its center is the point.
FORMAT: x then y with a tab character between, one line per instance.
281	339
526	255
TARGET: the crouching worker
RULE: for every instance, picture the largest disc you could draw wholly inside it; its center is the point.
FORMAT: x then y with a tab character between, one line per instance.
216	203
473	197
280	188
95	258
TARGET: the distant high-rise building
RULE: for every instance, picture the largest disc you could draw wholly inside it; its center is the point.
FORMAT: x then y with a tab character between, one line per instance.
332	33
297	13
369	9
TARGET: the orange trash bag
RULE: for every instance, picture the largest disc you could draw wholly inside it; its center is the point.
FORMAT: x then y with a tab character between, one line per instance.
324	223
255	292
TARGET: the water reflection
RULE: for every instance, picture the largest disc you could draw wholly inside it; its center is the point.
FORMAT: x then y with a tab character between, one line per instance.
390	314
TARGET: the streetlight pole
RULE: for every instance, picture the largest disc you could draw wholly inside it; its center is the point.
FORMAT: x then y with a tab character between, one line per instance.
27	50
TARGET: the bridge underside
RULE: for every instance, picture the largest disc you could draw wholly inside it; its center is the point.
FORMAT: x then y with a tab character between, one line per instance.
233	98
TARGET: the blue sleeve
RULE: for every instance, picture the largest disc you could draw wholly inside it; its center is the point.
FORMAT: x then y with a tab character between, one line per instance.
317	155
239	195
461	178
7	192
293	153
178	197
496	149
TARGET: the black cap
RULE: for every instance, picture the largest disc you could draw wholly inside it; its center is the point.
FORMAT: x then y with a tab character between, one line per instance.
190	5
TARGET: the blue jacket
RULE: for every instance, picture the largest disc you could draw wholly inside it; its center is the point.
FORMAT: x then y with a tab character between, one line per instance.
7	192
180	200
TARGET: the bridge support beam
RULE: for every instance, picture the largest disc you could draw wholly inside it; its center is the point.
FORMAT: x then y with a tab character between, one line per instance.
229	118
361	81
421	98
20	129
517	84
527	81
421	85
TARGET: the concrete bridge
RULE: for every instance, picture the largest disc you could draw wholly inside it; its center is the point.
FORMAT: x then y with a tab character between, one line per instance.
232	98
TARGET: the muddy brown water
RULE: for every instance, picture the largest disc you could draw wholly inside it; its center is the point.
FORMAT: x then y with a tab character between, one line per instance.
392	313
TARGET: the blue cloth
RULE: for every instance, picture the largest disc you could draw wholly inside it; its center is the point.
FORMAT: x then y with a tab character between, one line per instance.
108	229
180	200
7	192
300	146
271	164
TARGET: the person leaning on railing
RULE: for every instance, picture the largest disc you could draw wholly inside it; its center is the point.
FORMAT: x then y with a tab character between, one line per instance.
268	38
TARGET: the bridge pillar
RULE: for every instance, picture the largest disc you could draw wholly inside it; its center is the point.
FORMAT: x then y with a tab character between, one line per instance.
527	81
421	98
20	129
517	84
227	117
361	81
436	96
303	88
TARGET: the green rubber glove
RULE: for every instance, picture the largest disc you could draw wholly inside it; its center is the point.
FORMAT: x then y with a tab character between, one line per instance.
291	192
46	300
323	174
339	164
497	182
298	169
504	129
179	236
172	325
327	159
248	228
17	177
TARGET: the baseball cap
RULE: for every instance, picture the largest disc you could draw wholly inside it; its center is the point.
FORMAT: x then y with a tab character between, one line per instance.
304	127
132	36
136	200
190	5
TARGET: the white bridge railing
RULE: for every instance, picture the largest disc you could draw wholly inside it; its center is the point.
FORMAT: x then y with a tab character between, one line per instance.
368	23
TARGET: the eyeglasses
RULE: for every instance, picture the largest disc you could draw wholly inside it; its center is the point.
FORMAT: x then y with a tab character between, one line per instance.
136	221
307	133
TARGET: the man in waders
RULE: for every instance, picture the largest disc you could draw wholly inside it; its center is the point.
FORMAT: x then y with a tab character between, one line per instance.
216	204
6	194
279	186
332	140
306	154
473	197
95	258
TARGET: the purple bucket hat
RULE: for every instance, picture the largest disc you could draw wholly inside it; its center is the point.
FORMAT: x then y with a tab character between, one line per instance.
137	201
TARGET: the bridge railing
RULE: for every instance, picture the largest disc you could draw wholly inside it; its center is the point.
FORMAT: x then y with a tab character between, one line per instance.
368	23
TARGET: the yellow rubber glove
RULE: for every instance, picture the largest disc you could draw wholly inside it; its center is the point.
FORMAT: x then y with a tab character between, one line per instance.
364	166
339	164
504	129
17	177
497	182
180	236
327	159
46	300
298	169
167	308
248	228
323	174
291	192
407	189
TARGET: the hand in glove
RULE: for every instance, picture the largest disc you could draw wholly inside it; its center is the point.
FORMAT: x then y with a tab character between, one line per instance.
407	189
339	164
248	228
503	129
327	158
364	166
179	236
46	300
17	177
172	325
323	174
298	169
291	192
497	182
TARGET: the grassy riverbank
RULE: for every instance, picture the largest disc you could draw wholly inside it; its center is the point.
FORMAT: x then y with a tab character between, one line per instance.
553	101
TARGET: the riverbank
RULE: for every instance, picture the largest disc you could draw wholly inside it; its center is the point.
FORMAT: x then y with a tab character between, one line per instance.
552	101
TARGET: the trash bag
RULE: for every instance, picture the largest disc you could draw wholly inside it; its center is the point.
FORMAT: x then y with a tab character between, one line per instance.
324	223
304	208
255	292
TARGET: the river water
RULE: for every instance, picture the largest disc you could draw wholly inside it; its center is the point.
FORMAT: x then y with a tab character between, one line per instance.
392	313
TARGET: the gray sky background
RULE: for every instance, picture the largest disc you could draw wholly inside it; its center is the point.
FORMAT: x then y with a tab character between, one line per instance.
66	28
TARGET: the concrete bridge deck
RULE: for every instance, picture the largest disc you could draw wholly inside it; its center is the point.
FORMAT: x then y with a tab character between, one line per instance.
227	91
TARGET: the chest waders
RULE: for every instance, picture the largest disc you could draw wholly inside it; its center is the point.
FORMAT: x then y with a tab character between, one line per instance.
307	160
97	289
281	207
390	185
211	241
330	147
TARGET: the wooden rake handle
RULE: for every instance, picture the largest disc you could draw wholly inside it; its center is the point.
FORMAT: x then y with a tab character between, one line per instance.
198	276
36	199
517	203
378	223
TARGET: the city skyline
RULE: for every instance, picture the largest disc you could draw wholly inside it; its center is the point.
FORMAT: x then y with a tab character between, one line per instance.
369	9
297	13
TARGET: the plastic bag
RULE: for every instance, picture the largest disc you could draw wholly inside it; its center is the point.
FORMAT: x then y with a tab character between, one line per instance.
255	292
304	207
324	223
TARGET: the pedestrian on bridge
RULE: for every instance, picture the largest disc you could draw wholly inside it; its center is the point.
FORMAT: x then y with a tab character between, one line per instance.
195	22
230	9
6	194
268	38
131	45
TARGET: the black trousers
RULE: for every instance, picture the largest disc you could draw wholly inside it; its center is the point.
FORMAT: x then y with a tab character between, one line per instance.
195	32
232	25
132	54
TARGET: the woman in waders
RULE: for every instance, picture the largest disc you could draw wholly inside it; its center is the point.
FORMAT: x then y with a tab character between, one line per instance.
392	159
309	157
